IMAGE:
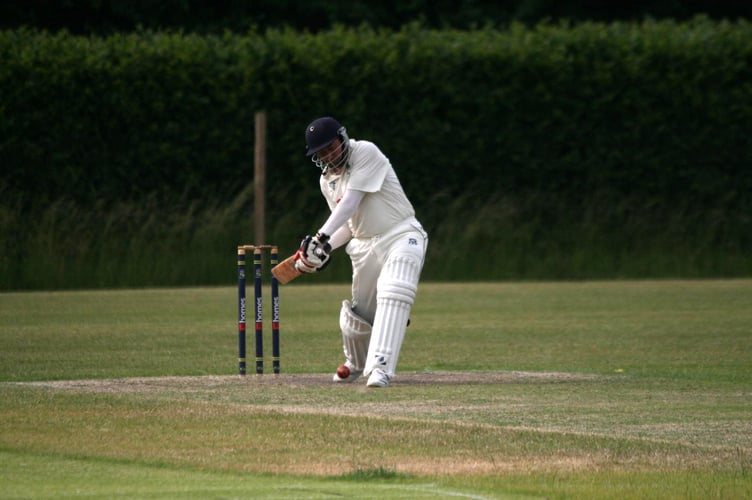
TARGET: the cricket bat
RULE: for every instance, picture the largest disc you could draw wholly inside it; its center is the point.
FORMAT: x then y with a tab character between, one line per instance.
286	271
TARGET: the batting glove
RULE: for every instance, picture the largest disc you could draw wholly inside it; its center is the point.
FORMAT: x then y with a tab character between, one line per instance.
313	255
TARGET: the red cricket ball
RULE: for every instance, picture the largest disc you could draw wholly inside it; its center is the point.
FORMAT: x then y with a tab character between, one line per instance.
343	371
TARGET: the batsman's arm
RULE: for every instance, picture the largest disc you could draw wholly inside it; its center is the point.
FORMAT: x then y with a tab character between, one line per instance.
344	210
340	237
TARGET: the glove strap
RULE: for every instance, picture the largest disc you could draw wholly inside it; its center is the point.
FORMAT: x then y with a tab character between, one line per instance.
324	239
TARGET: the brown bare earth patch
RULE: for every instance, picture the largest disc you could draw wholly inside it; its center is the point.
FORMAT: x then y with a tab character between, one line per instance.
147	384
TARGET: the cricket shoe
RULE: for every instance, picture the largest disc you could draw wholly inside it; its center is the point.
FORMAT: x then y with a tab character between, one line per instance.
354	374
378	378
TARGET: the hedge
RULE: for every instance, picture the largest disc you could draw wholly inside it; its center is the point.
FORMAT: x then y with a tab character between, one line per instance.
594	125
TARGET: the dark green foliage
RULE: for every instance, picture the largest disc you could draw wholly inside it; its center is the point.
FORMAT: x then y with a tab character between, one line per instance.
374	474
104	17
118	118
568	151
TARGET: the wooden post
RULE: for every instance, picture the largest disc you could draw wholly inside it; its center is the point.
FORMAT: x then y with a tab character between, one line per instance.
259	179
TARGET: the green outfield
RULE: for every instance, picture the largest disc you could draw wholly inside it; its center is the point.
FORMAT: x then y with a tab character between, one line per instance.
614	389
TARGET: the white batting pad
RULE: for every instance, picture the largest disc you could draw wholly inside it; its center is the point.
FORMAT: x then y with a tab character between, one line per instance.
356	334
397	287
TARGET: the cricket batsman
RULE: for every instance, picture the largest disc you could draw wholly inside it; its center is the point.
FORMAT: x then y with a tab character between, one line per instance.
373	217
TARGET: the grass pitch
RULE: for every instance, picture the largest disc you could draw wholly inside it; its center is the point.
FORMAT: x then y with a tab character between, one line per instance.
505	390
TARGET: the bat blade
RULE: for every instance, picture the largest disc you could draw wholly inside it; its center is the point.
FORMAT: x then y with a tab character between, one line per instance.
286	271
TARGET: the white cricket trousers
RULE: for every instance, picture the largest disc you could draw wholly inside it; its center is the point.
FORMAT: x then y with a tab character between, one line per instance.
386	271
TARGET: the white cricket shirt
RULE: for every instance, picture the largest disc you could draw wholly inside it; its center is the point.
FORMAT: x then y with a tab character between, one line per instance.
384	204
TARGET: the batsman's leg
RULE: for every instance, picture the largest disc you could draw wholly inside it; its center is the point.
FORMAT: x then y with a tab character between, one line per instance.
396	290
356	333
